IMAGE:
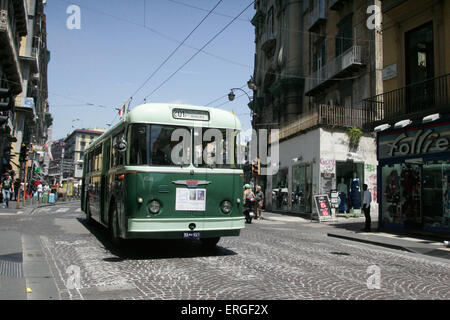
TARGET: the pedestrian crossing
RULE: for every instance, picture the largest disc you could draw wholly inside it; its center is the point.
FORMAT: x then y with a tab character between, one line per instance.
49	210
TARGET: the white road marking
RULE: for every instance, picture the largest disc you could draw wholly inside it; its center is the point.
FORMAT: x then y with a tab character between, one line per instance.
63	210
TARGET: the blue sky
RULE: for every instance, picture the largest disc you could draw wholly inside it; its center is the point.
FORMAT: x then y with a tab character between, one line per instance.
121	43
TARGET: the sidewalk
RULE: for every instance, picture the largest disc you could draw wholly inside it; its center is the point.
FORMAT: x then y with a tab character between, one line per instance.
350	229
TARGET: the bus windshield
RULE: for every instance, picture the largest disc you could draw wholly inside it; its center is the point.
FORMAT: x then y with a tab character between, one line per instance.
152	144
165	145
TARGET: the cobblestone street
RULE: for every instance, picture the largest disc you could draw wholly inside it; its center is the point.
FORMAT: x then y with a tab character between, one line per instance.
280	259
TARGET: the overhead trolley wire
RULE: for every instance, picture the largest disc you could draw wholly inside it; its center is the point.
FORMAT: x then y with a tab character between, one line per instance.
176	49
200	50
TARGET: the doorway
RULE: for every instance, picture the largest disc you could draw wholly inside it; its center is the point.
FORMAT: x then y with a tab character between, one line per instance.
419	60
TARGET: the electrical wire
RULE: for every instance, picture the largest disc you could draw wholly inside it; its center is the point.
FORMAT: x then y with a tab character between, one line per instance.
176	49
195	54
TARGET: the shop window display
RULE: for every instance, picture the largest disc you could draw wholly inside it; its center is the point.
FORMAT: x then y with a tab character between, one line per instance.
301	188
280	193
350	178
436	195
401	194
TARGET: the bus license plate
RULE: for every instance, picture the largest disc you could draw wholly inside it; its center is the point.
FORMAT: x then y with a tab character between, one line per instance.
191	235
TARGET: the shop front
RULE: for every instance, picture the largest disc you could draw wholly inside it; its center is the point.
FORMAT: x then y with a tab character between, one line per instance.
414	177
320	162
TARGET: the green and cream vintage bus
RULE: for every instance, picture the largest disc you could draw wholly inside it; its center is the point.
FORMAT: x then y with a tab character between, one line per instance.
166	171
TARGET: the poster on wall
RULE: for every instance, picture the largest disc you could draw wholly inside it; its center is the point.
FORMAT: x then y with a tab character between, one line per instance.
190	199
323	207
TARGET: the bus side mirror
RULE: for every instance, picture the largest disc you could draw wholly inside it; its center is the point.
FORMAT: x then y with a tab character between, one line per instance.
121	146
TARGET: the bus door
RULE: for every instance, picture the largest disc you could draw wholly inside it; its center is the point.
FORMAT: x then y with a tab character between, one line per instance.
105	192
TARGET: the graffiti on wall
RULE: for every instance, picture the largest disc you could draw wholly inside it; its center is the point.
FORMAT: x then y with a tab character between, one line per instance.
327	165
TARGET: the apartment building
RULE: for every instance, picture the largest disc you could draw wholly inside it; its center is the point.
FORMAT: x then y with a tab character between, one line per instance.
74	146
24	109
13	26
412	117
315	62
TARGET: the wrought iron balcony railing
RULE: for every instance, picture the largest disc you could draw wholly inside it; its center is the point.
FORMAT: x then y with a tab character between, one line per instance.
337	116
352	58
412	101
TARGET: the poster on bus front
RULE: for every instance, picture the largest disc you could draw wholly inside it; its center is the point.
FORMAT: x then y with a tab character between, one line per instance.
190	199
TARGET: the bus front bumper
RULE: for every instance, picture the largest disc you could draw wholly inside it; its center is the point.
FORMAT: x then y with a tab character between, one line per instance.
175	228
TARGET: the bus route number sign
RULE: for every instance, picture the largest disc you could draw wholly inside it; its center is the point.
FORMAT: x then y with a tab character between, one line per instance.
323	206
186	114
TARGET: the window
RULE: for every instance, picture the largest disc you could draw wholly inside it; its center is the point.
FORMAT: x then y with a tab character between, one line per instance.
344	39
218	149
270	21
319	54
98	159
153	145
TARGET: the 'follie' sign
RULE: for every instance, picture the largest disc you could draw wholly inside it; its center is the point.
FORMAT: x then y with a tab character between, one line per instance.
420	140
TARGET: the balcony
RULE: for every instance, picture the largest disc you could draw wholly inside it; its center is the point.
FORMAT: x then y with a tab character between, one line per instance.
317	15
26	105
11	29
325	115
32	59
268	43
352	60
413	101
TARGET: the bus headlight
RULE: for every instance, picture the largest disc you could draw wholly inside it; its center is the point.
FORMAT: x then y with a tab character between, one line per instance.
226	206
154	207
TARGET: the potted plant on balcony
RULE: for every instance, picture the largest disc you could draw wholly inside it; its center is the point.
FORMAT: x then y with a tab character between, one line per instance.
354	135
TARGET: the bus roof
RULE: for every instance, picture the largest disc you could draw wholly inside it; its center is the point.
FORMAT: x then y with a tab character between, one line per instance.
163	113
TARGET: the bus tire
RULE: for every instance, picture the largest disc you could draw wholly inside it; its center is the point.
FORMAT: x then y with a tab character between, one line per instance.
209	243
114	230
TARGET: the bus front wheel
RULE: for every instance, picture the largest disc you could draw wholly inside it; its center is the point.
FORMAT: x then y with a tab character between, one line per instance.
209	243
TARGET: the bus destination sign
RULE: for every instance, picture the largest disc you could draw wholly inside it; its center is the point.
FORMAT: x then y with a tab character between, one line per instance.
187	114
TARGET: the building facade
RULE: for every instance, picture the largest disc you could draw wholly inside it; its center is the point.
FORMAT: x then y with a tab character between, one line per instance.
75	144
24	57
13	26
315	62
412	117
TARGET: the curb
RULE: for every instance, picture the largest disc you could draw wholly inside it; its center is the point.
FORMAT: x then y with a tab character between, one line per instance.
373	242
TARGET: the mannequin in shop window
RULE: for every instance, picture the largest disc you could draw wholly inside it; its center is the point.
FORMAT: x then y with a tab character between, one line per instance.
355	192
342	189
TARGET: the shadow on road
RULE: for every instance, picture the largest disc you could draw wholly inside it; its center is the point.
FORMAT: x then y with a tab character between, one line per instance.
144	249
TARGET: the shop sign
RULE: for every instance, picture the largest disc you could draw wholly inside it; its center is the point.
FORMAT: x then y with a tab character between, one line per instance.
416	142
323	206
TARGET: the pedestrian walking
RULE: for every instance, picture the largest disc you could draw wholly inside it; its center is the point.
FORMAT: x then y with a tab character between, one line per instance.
16	188
7	185
259	195
367	199
39	191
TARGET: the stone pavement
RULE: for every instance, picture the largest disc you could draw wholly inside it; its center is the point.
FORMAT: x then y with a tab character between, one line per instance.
350	229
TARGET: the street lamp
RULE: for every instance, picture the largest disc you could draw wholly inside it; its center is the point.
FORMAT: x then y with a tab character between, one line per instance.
231	95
